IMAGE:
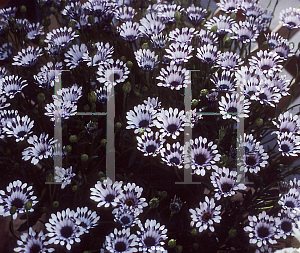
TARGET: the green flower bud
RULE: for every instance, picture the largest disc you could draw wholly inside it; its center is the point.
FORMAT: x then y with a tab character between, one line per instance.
92	97
177	15
23	9
259	122
123	58
208	12
50	177
73	138
183	3
141	131
194	231
47	21
118	125
86	108
74	188
41	43
68	148
126	87
265	44
137	94
154	202
102	179
153	2
145	46
41	97
195	102
129	64
145	89
5	28
91	19
52	10
100	174
103	142
214	29
227	42
84	157
172	243
232	233
178	249
28	205
55	204
203	92
71	24
164	194
183	16
13	210
233	15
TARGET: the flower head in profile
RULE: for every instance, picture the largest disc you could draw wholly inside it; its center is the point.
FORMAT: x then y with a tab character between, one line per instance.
129	31
146	59
288	144
206	215
17	194
224	82
229	6
12	85
245	32
127	216
103	54
172	155
196	14
290	18
185	35
64	176
125	13
287	123
167	12
208	54
72	94
33	242
150	143
86	219
59	109
179	53
27	57
34	30
74	56
151	24
222	23
48	74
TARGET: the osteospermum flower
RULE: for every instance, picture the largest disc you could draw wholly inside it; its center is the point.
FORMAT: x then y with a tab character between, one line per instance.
244	32
273	39
34	30
129	31
196	14
291	200
64	176
208	54
266	62
125	13
60	109
103	54
107	193
47	76
121	241
185	35
179	53
287	123
173	77
205	215
141	117
3	103
41	148
74	56
255	159
86	219
290	18
229	6
27	57
225	183
262	229
288	144
284	50
153	102
126	216
19	127
223	24
59	39
150	143
207	38
6	51
11	85
146	59
151	24
111	74
201	156
229	61
167	12
285	223
72	10
225	82
160	40
17	194
72	94
33	242
234	106
173	155
151	236
62	228
282	84
132	197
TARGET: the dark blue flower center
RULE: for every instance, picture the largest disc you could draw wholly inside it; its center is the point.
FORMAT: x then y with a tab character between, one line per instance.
35	248
18	203
286	226
200	159
109	198
120	246
149	241
66	231
150	149
250	161
144	123
285	148
172	128
226	187
206	217
263	232
174	160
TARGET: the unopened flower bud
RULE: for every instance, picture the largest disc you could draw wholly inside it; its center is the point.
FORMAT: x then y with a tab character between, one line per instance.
194	231
203	92
50	177
259	122
194	102
84	157
232	233
153	203
214	29
129	64
164	194
5	28
13	210
103	142
118	125
126	87
137	94
177	15
41	43
141	131
68	148
86	108
55	204
123	58
74	188
28	205
92	97
183	16
172	243
52	10
227	42
178	249
145	46
100	174
233	15
23	9
208	12
41	97
73	138
145	89
265	44
222	133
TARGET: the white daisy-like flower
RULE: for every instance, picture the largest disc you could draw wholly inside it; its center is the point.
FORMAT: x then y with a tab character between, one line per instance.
17	194
291	200
33	242
146	59
286	223
132	197
196	14
229	6
103	54
170	122
102	94
179	53
223	23
207	37
173	77
60	109
64	176
121	241
74	56
290	18
127	216
185	35
150	143
225	183
229	61
288	144
208	54
151	24
151	236
72	94
224	82
201	156
173	155
62	228
72	11
6	51
19	127
244	32
154	103
141	117
47	76
27	57
205	215
282	84
107	193
86	219
262	229
34	30
167	12
42	148
129	31
11	85
3	103
160	40
287	123
125	13
234	106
